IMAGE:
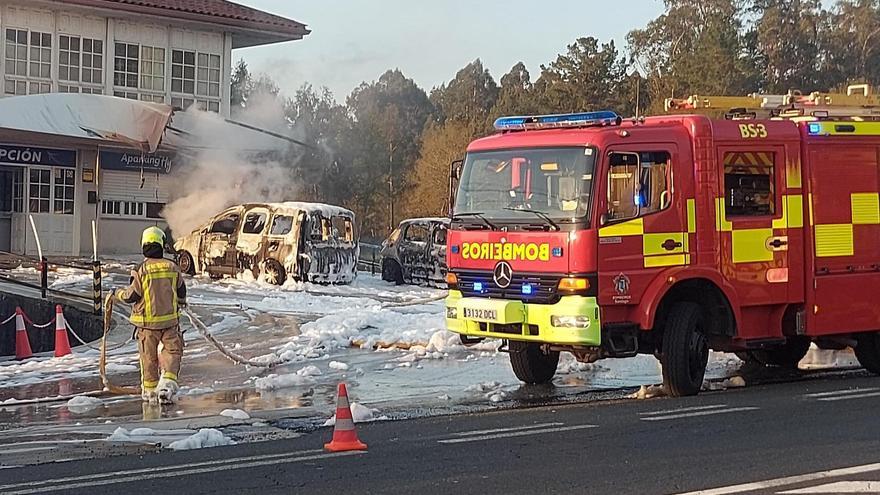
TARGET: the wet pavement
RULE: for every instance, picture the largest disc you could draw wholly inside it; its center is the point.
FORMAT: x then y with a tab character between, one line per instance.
255	320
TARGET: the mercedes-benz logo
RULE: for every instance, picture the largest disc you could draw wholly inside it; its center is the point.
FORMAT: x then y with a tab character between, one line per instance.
502	274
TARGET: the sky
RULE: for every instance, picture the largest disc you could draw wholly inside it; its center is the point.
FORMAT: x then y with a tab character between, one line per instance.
357	40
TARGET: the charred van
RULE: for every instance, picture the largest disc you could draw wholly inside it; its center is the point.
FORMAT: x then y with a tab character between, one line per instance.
309	242
415	253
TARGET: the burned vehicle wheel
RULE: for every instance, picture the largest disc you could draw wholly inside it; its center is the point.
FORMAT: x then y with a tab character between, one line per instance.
391	271
274	273
787	355
530	364
186	264
868	351
685	351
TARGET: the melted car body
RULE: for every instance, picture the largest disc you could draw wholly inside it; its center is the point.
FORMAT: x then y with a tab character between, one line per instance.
307	242
415	253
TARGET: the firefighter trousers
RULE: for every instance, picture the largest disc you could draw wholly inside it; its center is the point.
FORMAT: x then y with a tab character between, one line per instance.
150	358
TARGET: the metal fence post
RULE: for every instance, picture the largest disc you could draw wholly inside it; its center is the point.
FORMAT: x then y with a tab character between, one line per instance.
373	265
97	298
44	277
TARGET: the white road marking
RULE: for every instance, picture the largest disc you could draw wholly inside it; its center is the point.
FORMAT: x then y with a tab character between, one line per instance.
501	430
849	391
698	413
515	434
219	464
790	480
682	410
848	397
839	487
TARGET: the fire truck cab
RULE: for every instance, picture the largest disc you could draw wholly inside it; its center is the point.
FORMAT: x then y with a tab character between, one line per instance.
668	235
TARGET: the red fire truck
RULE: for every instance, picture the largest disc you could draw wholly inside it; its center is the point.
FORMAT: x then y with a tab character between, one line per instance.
669	235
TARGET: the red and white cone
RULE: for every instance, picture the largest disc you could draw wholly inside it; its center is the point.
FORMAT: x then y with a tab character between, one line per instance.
344	434
62	344
22	344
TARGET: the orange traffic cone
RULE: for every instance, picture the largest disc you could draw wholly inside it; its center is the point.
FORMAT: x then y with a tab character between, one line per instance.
22	344
344	435
62	344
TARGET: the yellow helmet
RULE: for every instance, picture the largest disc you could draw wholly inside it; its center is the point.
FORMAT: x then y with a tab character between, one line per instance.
153	235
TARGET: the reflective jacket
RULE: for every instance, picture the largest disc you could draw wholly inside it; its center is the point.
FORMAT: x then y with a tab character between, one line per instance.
155	292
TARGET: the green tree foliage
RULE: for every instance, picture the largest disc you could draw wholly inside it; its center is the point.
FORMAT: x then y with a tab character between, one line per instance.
784	43
588	77
696	46
851	43
468	97
516	95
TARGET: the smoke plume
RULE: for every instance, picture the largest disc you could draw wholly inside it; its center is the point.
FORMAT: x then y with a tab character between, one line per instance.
229	165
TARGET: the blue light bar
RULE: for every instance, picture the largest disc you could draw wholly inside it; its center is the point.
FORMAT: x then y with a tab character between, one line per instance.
583	119
557	252
814	128
527	289
478	286
455	249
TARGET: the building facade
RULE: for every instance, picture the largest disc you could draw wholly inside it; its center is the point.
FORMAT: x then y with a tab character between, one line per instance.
177	52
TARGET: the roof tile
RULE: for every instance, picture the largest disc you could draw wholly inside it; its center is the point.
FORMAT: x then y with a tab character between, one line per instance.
219	8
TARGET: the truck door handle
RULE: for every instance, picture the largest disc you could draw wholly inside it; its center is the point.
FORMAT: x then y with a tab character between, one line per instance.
777	243
670	244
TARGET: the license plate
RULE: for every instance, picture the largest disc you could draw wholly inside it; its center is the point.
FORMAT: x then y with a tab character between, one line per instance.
480	314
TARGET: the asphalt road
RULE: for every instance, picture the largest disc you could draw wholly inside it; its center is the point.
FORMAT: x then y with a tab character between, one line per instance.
824	431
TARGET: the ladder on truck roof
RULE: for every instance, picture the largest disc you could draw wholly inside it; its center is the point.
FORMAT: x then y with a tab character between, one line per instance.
859	103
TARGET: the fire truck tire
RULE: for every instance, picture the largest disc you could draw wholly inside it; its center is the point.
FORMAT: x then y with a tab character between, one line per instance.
685	351
391	271
530	364
868	351
185	262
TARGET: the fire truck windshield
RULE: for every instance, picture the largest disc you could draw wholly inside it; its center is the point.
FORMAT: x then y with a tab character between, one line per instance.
515	184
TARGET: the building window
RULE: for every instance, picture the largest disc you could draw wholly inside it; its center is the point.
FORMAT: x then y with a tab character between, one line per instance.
65	184
153	69
40	190
195	79
18	191
152	98
28	57
67	88
183	72
123	208
131	95
208	76
81	60
125	67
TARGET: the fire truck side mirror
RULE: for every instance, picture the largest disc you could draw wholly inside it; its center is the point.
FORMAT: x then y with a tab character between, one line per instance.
603	219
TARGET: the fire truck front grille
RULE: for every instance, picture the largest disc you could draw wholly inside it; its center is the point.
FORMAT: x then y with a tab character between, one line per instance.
542	289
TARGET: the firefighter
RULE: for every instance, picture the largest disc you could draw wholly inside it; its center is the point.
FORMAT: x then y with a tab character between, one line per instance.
156	292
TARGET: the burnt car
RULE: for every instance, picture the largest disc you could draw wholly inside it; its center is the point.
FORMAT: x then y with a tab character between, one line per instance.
308	242
415	253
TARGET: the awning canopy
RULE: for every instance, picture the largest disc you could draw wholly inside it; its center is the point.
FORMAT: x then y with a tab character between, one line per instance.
83	119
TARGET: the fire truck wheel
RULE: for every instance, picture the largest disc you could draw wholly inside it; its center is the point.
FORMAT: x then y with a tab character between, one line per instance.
868	351
185	262
685	351
530	364
787	355
391	271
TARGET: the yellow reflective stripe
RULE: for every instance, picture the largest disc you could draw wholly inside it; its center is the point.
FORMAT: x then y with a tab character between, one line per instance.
141	319
810	199
795	205
859	128
834	240
632	227
865	208
692	216
667	260
652	244
721	223
793	174
169	376
750	245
